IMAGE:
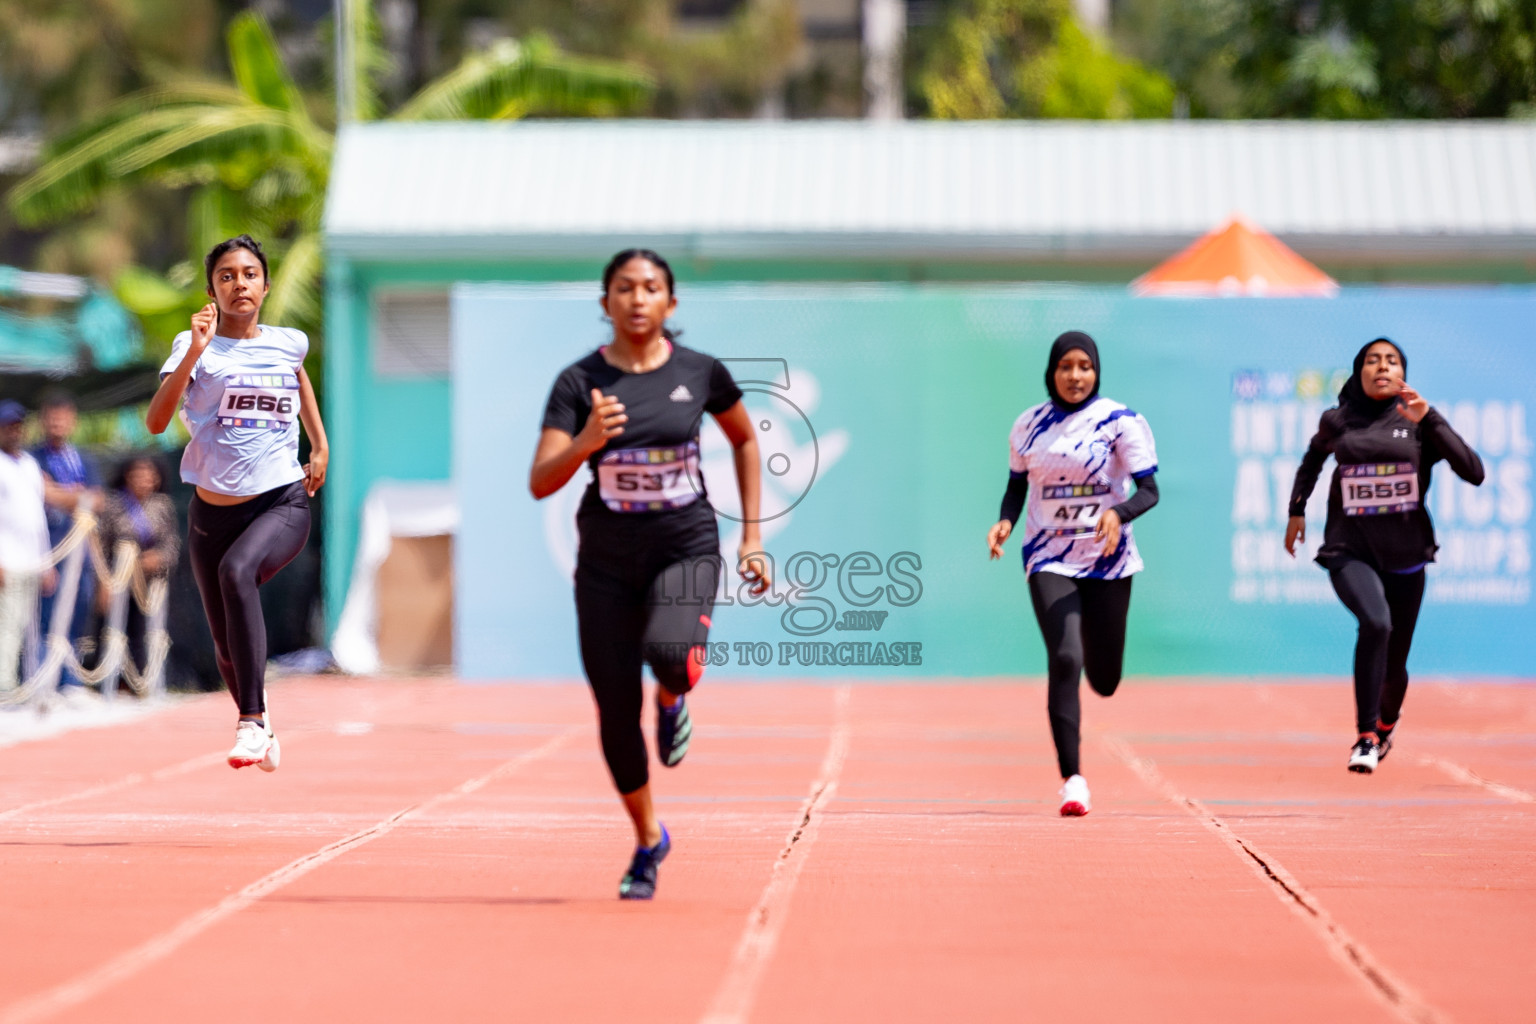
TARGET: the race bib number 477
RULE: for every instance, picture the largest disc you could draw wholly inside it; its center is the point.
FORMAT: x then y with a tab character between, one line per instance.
1376	489
1073	510
262	400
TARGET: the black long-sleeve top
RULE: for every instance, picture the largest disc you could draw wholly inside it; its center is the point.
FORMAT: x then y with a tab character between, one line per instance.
1391	541
1018	490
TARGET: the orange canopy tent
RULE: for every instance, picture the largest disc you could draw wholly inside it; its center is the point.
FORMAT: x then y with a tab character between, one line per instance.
1236	259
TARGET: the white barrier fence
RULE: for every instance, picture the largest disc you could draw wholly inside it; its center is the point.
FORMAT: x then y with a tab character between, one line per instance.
123	581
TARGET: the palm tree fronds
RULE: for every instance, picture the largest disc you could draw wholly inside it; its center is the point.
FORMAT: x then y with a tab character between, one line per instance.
210	136
142	102
148	294
512	79
295	294
178	142
258	66
216	213
371	59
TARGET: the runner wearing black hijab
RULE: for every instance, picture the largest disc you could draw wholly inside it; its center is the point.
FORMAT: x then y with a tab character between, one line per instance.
1081	453
1378	538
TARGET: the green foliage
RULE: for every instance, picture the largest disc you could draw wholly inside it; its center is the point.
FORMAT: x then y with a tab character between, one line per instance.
259	163
513	79
1030	58
161	305
59	58
724	70
1340	58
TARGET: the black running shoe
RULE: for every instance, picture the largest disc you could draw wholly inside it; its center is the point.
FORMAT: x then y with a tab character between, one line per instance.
1364	755
673	731
639	882
1384	745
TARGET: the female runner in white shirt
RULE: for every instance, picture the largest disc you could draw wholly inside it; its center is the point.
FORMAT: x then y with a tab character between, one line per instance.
1072	461
245	394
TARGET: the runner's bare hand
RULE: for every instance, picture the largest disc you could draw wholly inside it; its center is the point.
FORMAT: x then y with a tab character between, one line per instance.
606	421
1412	404
1295	530
314	471
204	322
1107	532
752	565
996	536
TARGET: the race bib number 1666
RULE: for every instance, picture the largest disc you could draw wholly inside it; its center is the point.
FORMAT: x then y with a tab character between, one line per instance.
262	400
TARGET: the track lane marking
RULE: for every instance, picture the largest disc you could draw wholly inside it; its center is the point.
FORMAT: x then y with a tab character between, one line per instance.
1463	774
127	781
732	1003
127	964
1403	1001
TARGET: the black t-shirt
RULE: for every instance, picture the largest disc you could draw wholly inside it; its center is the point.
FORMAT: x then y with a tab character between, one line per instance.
1394	540
665	407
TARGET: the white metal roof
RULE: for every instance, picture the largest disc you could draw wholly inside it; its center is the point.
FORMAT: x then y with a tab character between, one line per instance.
943	189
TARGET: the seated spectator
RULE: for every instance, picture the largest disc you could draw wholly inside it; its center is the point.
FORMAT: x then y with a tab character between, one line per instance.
138	509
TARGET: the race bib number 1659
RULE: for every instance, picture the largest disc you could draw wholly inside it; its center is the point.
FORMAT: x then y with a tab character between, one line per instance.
1376	489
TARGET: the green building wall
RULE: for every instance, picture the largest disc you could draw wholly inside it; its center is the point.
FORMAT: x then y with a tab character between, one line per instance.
400	429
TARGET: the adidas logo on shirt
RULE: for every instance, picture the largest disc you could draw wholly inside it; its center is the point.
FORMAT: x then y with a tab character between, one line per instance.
681	394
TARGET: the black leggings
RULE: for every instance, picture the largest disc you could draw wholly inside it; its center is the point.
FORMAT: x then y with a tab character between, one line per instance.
629	614
1387	607
1083	623
234	549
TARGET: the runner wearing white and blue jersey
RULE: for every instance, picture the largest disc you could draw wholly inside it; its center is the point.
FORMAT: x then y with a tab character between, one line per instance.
1081	467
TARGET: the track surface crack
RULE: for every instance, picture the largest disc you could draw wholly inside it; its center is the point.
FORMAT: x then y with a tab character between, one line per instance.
732	1003
1406	1004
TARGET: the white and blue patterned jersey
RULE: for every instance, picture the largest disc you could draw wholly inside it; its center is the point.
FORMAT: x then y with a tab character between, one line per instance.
1079	465
242	409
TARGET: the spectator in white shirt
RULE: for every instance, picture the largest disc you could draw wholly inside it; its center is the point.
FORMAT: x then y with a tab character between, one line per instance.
24	569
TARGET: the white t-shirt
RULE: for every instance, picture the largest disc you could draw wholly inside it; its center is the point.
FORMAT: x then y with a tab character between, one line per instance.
1080	465
23	523
242	407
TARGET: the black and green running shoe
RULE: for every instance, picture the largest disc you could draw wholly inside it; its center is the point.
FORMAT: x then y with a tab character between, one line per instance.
639	882
673	731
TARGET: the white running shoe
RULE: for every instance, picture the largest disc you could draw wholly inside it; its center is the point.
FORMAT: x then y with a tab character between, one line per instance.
1364	756
253	745
275	751
1074	797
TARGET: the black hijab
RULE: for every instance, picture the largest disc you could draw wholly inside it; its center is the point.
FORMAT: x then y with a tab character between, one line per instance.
1352	397
1060	347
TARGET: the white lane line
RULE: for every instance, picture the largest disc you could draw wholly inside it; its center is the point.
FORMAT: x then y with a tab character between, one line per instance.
126	965
1464	774
159	775
1404	1002
733	999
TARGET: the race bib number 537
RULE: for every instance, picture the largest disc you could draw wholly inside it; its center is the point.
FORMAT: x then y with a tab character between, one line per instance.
263	400
649	479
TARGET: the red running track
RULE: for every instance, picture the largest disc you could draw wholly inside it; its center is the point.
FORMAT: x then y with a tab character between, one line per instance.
880	852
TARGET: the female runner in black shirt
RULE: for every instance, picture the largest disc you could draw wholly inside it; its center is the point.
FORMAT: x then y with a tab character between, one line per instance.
648	561
1378	539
